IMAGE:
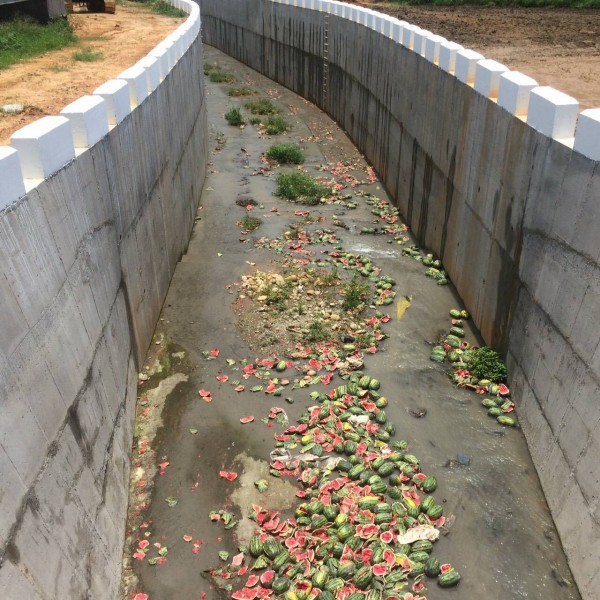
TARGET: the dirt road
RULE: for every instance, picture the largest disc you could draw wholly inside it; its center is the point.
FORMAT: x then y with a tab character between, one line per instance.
559	47
45	85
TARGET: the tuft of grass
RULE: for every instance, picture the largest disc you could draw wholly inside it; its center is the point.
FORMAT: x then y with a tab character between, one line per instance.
317	332
59	68
301	187
241	91
234	117
277	295
286	154
221	77
24	38
249	223
209	67
255	121
262	106
161	7
356	293
276	125
87	55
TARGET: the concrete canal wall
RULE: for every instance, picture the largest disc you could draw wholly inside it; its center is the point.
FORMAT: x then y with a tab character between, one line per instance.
481	163
96	207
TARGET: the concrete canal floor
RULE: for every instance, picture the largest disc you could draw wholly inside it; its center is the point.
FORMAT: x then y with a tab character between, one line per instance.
498	534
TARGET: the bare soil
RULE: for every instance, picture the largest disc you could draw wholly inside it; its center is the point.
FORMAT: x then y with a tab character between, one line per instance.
45	85
559	47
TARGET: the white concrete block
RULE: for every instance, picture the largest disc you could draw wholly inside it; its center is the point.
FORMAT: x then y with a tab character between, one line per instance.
151	65
137	79
408	35
514	91
465	65
552	113
386	25
587	135
447	60
11	176
348	12
432	48
162	53
487	77
116	95
44	146
177	45
420	37
398	30
355	15
89	120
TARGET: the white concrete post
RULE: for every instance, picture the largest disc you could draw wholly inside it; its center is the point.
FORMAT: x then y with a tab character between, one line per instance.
487	77
465	65
89	120
116	95
552	113
137	79
587	135
432	48
514	91
11	176
447	60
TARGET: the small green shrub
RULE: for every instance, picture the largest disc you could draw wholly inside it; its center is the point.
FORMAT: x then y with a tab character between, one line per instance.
301	187
250	223
221	77
356	293
241	91
485	363
286	154
234	117
255	121
210	67
317	331
262	106
87	55
276	125
161	7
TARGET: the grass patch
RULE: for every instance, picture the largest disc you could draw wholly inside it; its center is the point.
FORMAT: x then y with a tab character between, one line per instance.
210	67
317	332
277	295
160	7
59	68
23	38
249	223
301	187
234	117
262	106
87	55
219	76
356	293
286	154
241	91
276	125
255	121
485	363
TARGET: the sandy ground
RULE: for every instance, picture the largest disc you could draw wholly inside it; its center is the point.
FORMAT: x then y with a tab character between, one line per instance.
47	84
556	46
503	540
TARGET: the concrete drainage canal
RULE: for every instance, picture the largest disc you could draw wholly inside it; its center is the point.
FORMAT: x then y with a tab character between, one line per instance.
314	417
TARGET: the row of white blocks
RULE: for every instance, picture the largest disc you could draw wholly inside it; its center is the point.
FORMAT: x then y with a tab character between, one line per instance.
545	109
41	148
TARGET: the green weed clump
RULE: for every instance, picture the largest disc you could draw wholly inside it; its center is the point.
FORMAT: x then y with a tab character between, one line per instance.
486	363
276	125
241	91
356	293
234	117
317	332
300	187
24	38
286	154
87	55
218	76
262	106
161	7
249	223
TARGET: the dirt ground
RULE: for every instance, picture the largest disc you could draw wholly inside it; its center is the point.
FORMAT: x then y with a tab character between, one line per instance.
556	46
47	84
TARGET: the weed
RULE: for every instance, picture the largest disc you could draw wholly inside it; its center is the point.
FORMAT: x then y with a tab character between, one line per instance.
221	77
87	55
286	154
161	7
300	308
276	125
234	117
262	106
277	295
317	331
255	121
241	91
356	294
485	363
58	68
209	67
24	38
301	187
329	278
249	223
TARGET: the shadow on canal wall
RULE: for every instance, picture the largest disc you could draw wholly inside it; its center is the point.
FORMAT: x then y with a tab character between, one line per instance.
96	208
481	163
